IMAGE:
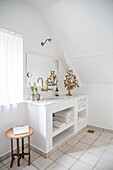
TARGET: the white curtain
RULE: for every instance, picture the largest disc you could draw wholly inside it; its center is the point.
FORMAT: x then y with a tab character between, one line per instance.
11	68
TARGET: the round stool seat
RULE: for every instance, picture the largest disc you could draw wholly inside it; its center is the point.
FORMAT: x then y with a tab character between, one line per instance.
10	134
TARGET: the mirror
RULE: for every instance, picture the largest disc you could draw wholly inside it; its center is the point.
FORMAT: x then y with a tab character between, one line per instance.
40	66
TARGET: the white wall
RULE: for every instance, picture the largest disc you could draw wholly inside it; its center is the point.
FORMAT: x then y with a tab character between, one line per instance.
85	28
19	17
100	104
81	27
10	116
96	74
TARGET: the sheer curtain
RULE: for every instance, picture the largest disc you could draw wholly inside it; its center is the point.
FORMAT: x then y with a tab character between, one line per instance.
11	68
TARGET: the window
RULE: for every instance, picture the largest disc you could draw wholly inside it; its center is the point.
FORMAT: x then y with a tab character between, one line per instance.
11	67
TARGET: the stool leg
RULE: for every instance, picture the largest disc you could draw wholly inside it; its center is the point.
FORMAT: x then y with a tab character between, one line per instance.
12	157
23	148
29	149
18	155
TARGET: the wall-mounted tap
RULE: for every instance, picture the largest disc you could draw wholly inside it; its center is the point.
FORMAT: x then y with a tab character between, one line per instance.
40	78
47	89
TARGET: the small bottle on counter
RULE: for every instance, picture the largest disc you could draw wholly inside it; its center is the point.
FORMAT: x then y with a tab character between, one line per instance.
57	91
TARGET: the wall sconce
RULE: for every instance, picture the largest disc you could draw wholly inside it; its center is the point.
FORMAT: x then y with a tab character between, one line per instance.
49	39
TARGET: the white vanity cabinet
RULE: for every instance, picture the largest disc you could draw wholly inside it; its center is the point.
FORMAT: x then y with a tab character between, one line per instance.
40	117
81	111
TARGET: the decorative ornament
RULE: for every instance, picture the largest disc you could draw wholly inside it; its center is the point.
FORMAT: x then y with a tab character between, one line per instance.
70	81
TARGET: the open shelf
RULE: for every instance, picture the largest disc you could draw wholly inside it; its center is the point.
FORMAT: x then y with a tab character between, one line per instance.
57	140
67	125
82	102
81	109
57	131
82	118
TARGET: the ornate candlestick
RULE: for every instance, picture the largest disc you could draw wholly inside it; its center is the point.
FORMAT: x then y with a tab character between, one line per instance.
70	82
54	79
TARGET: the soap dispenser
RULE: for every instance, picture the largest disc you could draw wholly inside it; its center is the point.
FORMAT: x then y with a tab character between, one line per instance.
57	91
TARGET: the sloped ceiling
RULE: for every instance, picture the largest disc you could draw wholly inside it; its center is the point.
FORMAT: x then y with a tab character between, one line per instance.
95	70
84	28
81	27
41	4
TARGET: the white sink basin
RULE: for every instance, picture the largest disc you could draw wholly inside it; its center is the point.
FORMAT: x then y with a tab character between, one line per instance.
59	98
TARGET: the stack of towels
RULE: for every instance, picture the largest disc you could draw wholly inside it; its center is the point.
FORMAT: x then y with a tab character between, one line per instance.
63	117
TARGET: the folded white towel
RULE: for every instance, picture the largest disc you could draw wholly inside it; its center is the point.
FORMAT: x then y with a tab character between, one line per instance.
64	114
58	124
20	130
64	120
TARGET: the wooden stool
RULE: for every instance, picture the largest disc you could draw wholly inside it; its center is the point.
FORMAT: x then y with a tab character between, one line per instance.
11	135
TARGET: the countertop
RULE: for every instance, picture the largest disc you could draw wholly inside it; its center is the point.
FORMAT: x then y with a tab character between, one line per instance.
52	100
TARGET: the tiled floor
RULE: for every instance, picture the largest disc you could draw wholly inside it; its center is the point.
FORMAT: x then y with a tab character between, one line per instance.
85	151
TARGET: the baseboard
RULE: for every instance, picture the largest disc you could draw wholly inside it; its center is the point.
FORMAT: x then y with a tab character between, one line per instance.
46	155
100	128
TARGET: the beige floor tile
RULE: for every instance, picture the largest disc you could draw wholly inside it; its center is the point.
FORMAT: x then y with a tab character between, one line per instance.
86	129
6	160
109	148
1	164
31	167
66	161
108	156
64	148
97	151
78	137
82	146
3	168
83	133
75	152
33	154
98	143
104	139
23	163
56	166
56	155
106	134
79	165
111	142
104	165
98	132
87	140
72	142
89	159
91	135
42	163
